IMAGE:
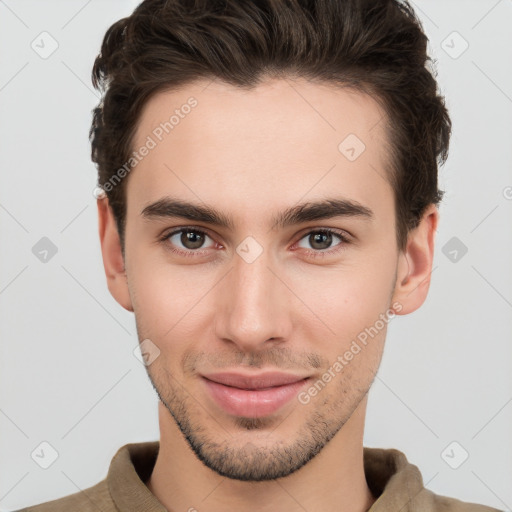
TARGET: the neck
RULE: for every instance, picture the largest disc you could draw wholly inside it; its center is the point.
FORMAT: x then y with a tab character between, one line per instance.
332	481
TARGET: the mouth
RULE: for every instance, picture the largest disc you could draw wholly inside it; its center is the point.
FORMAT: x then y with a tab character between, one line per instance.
253	396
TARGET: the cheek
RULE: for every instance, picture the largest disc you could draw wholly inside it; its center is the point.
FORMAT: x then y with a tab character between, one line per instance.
346	299
166	298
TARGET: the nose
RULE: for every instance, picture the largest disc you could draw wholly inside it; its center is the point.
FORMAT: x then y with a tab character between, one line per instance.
253	307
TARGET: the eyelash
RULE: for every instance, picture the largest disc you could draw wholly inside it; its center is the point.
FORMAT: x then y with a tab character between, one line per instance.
344	240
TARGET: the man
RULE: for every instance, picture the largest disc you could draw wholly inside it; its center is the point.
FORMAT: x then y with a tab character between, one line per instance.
269	178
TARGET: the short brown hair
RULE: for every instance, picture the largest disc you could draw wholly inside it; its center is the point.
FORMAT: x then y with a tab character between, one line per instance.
375	46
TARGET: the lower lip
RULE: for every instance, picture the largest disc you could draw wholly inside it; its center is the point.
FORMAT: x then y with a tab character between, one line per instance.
253	403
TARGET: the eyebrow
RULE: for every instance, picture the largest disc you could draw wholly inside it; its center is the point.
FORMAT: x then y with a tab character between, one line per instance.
169	207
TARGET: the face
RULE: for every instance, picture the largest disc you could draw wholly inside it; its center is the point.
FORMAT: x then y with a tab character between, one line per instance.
241	286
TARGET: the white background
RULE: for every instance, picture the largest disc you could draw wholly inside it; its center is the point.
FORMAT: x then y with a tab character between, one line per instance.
67	369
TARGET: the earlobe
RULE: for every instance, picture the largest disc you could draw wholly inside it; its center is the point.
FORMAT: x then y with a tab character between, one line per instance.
113	261
415	264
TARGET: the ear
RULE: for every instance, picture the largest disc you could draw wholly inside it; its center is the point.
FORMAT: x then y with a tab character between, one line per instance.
113	261
415	264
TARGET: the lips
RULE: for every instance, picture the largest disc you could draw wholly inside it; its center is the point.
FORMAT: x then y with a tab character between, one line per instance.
261	381
253	396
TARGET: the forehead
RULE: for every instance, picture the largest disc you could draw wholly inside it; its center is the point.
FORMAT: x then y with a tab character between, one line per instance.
275	144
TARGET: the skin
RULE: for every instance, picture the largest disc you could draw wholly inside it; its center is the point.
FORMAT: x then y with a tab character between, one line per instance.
251	154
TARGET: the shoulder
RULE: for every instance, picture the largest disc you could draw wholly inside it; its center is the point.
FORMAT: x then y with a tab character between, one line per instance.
398	485
440	503
92	499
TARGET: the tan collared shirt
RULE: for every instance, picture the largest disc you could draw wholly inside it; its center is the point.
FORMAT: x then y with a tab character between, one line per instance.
397	483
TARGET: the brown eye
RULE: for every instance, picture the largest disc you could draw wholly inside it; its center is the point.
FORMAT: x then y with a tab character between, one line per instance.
192	239
188	239
321	240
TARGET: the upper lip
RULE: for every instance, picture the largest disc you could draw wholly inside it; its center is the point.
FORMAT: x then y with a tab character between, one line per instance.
259	381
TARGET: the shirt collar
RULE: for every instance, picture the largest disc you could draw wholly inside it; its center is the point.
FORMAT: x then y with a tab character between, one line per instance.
130	468
396	483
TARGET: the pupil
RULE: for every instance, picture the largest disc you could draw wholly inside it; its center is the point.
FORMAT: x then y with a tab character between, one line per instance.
321	238
191	239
